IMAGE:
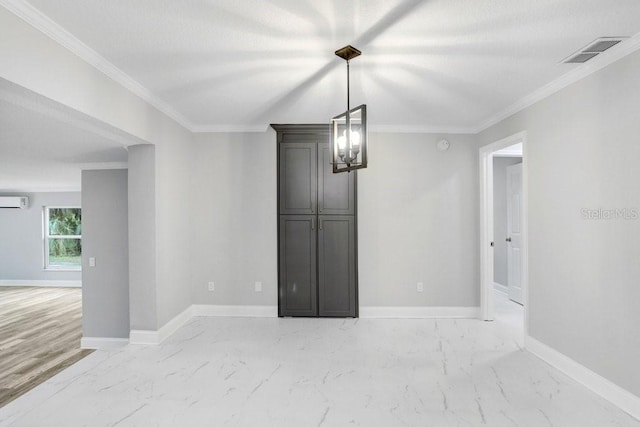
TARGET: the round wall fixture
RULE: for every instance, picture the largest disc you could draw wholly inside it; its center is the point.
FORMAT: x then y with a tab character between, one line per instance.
443	145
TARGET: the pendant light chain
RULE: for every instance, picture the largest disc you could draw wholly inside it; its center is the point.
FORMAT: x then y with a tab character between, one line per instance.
348	88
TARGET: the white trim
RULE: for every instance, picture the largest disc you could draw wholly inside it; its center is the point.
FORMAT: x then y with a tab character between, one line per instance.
615	394
104	165
42	190
419	312
228	128
421	129
148	337
143	337
99	343
486	224
235	310
500	288
43	283
43	23
602	60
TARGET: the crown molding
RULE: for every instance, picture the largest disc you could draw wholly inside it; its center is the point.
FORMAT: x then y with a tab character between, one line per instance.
41	22
228	128
103	165
44	24
604	59
22	190
420	129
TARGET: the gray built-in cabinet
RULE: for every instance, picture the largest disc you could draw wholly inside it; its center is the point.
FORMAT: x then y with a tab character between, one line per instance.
317	244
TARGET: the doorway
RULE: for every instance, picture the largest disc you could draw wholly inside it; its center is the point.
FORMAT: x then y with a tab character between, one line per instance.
503	228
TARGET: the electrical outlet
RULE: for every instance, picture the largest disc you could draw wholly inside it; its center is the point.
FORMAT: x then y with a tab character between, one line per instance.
212	286
420	287
92	262
258	286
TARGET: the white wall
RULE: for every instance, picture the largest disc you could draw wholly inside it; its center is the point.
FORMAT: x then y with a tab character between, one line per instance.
500	217
21	239
583	153
417	222
105	296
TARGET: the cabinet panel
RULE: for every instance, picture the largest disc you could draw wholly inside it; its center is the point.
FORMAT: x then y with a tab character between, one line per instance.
336	266
298	285
336	194
298	178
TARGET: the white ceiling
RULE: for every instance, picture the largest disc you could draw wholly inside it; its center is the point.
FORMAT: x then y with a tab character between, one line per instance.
426	64
217	65
41	153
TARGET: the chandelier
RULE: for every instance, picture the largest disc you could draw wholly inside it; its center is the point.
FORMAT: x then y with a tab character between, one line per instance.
349	129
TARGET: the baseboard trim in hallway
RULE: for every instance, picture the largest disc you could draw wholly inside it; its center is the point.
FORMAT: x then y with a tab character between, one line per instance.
149	337
96	343
615	394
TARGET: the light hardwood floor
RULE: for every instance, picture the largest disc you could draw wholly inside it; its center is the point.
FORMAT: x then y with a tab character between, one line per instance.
40	331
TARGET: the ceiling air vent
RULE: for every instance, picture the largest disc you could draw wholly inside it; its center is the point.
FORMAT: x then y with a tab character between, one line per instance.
592	49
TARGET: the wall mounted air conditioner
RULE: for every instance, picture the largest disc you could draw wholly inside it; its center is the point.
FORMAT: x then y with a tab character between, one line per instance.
14	202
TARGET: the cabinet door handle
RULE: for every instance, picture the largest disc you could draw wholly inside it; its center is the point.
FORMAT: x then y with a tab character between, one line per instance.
320	224
313	224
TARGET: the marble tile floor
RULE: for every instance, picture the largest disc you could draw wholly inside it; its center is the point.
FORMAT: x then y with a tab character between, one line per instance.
319	372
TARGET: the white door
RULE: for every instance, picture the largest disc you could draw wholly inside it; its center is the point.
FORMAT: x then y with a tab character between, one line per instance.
514	232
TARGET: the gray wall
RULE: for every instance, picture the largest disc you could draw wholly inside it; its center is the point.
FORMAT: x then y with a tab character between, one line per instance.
21	244
500	217
583	153
142	237
234	221
417	220
105	296
174	208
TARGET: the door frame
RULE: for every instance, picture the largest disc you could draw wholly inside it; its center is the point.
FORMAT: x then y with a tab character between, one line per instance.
513	292
486	225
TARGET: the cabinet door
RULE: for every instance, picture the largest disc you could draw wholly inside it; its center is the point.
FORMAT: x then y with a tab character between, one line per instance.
336	191
336	266
298	178
297	284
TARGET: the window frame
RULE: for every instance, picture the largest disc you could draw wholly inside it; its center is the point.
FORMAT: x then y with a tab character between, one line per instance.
46	237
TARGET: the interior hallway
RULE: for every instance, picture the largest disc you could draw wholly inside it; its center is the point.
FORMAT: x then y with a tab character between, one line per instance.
320	372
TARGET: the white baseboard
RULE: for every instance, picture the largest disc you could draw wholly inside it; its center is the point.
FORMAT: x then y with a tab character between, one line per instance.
419	312
500	288
98	343
144	337
147	337
236	310
615	394
43	283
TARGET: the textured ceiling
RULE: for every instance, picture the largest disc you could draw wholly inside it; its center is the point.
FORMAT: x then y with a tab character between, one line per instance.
41	153
426	64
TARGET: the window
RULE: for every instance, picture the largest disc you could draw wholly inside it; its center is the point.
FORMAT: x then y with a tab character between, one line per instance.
63	238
